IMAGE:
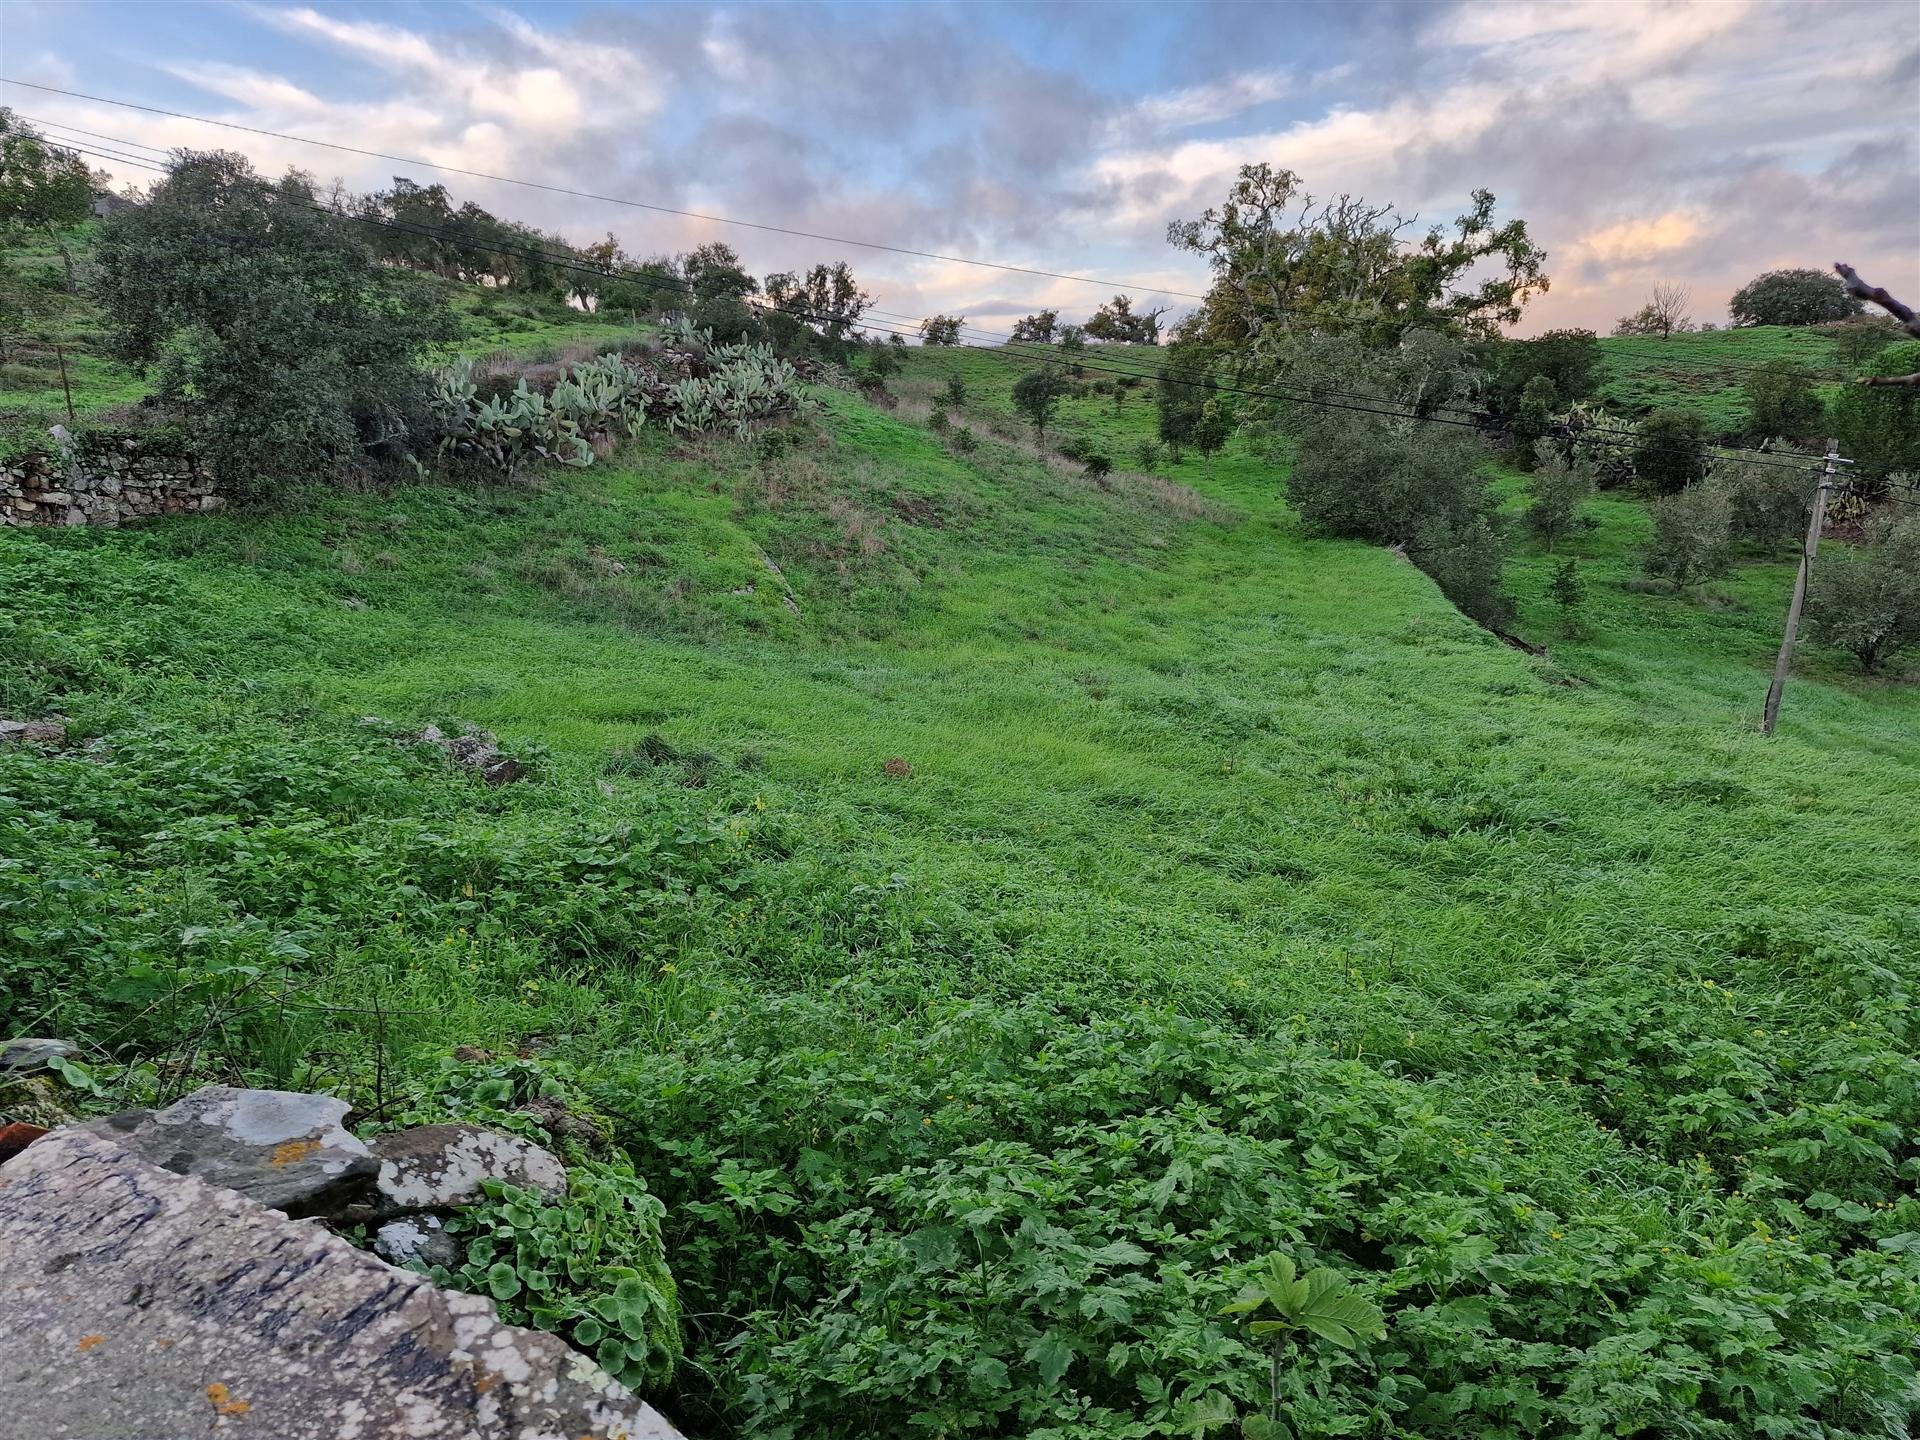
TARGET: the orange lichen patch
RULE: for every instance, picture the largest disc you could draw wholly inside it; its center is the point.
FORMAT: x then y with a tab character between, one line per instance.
91	1342
484	1381
289	1151
223	1401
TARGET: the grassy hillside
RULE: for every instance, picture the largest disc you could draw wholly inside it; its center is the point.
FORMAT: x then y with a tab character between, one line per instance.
1707	371
994	929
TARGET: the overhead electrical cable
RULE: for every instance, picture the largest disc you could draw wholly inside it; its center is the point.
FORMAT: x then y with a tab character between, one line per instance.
607	199
1313	397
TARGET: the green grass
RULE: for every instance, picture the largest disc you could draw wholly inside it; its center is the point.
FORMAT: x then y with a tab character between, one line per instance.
1707	371
1239	894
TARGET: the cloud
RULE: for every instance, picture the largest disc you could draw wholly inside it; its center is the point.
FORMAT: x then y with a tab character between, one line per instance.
1686	141
1204	104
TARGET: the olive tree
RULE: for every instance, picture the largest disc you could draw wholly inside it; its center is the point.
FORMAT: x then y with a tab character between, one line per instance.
941	330
43	188
1792	297
270	326
1865	599
1037	395
1283	262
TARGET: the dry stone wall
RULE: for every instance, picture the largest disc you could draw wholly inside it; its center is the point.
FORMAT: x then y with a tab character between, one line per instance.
106	483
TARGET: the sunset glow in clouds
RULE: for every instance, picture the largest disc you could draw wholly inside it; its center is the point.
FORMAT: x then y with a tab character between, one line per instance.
1641	141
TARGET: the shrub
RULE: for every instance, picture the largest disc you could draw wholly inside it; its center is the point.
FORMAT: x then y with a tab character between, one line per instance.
1396	481
1533	418
1558	490
937	421
1865	599
1879	425
1566	590
1670	453
1098	466
956	392
1150	454
1792	297
1782	403
1692	537
728	318
1768	500
267	322
964	440
1037	395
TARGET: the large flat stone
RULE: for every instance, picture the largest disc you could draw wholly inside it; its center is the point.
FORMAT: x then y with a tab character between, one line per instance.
440	1167
279	1147
137	1304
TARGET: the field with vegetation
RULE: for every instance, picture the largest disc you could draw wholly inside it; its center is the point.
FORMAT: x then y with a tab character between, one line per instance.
1708	370
995	907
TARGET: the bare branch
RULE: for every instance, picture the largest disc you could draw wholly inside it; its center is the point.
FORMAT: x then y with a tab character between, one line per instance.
1912	380
1860	290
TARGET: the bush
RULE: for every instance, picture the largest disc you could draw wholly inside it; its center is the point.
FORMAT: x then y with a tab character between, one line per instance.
1865	599
1566	590
964	440
1098	466
1767	500
1670	453
1879	425
1692	537
1150	454
1533	418
1037	395
956	392
1393	481
1792	297
937	421
267	323
1558	491
1782	403
728	318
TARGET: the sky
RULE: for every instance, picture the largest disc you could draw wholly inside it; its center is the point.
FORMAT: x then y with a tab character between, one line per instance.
1641	140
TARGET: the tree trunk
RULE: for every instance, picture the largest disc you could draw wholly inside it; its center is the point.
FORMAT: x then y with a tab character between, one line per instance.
66	257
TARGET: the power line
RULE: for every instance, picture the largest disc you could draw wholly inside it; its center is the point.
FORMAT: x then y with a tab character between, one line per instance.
609	199
1314	397
1005	340
1618	344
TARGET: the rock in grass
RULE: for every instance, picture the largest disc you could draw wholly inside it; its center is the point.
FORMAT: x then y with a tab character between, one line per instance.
416	1239
33	732
138	1303
440	1167
281	1149
475	750
23	1057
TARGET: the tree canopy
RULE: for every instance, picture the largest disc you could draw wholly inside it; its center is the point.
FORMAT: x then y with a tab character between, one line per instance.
1792	297
267	319
1118	322
1284	262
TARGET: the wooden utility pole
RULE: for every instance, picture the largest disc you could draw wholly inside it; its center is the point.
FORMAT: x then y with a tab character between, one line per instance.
1815	524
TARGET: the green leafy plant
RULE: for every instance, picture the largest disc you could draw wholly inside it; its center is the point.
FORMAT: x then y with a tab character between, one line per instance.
590	1268
1281	1306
